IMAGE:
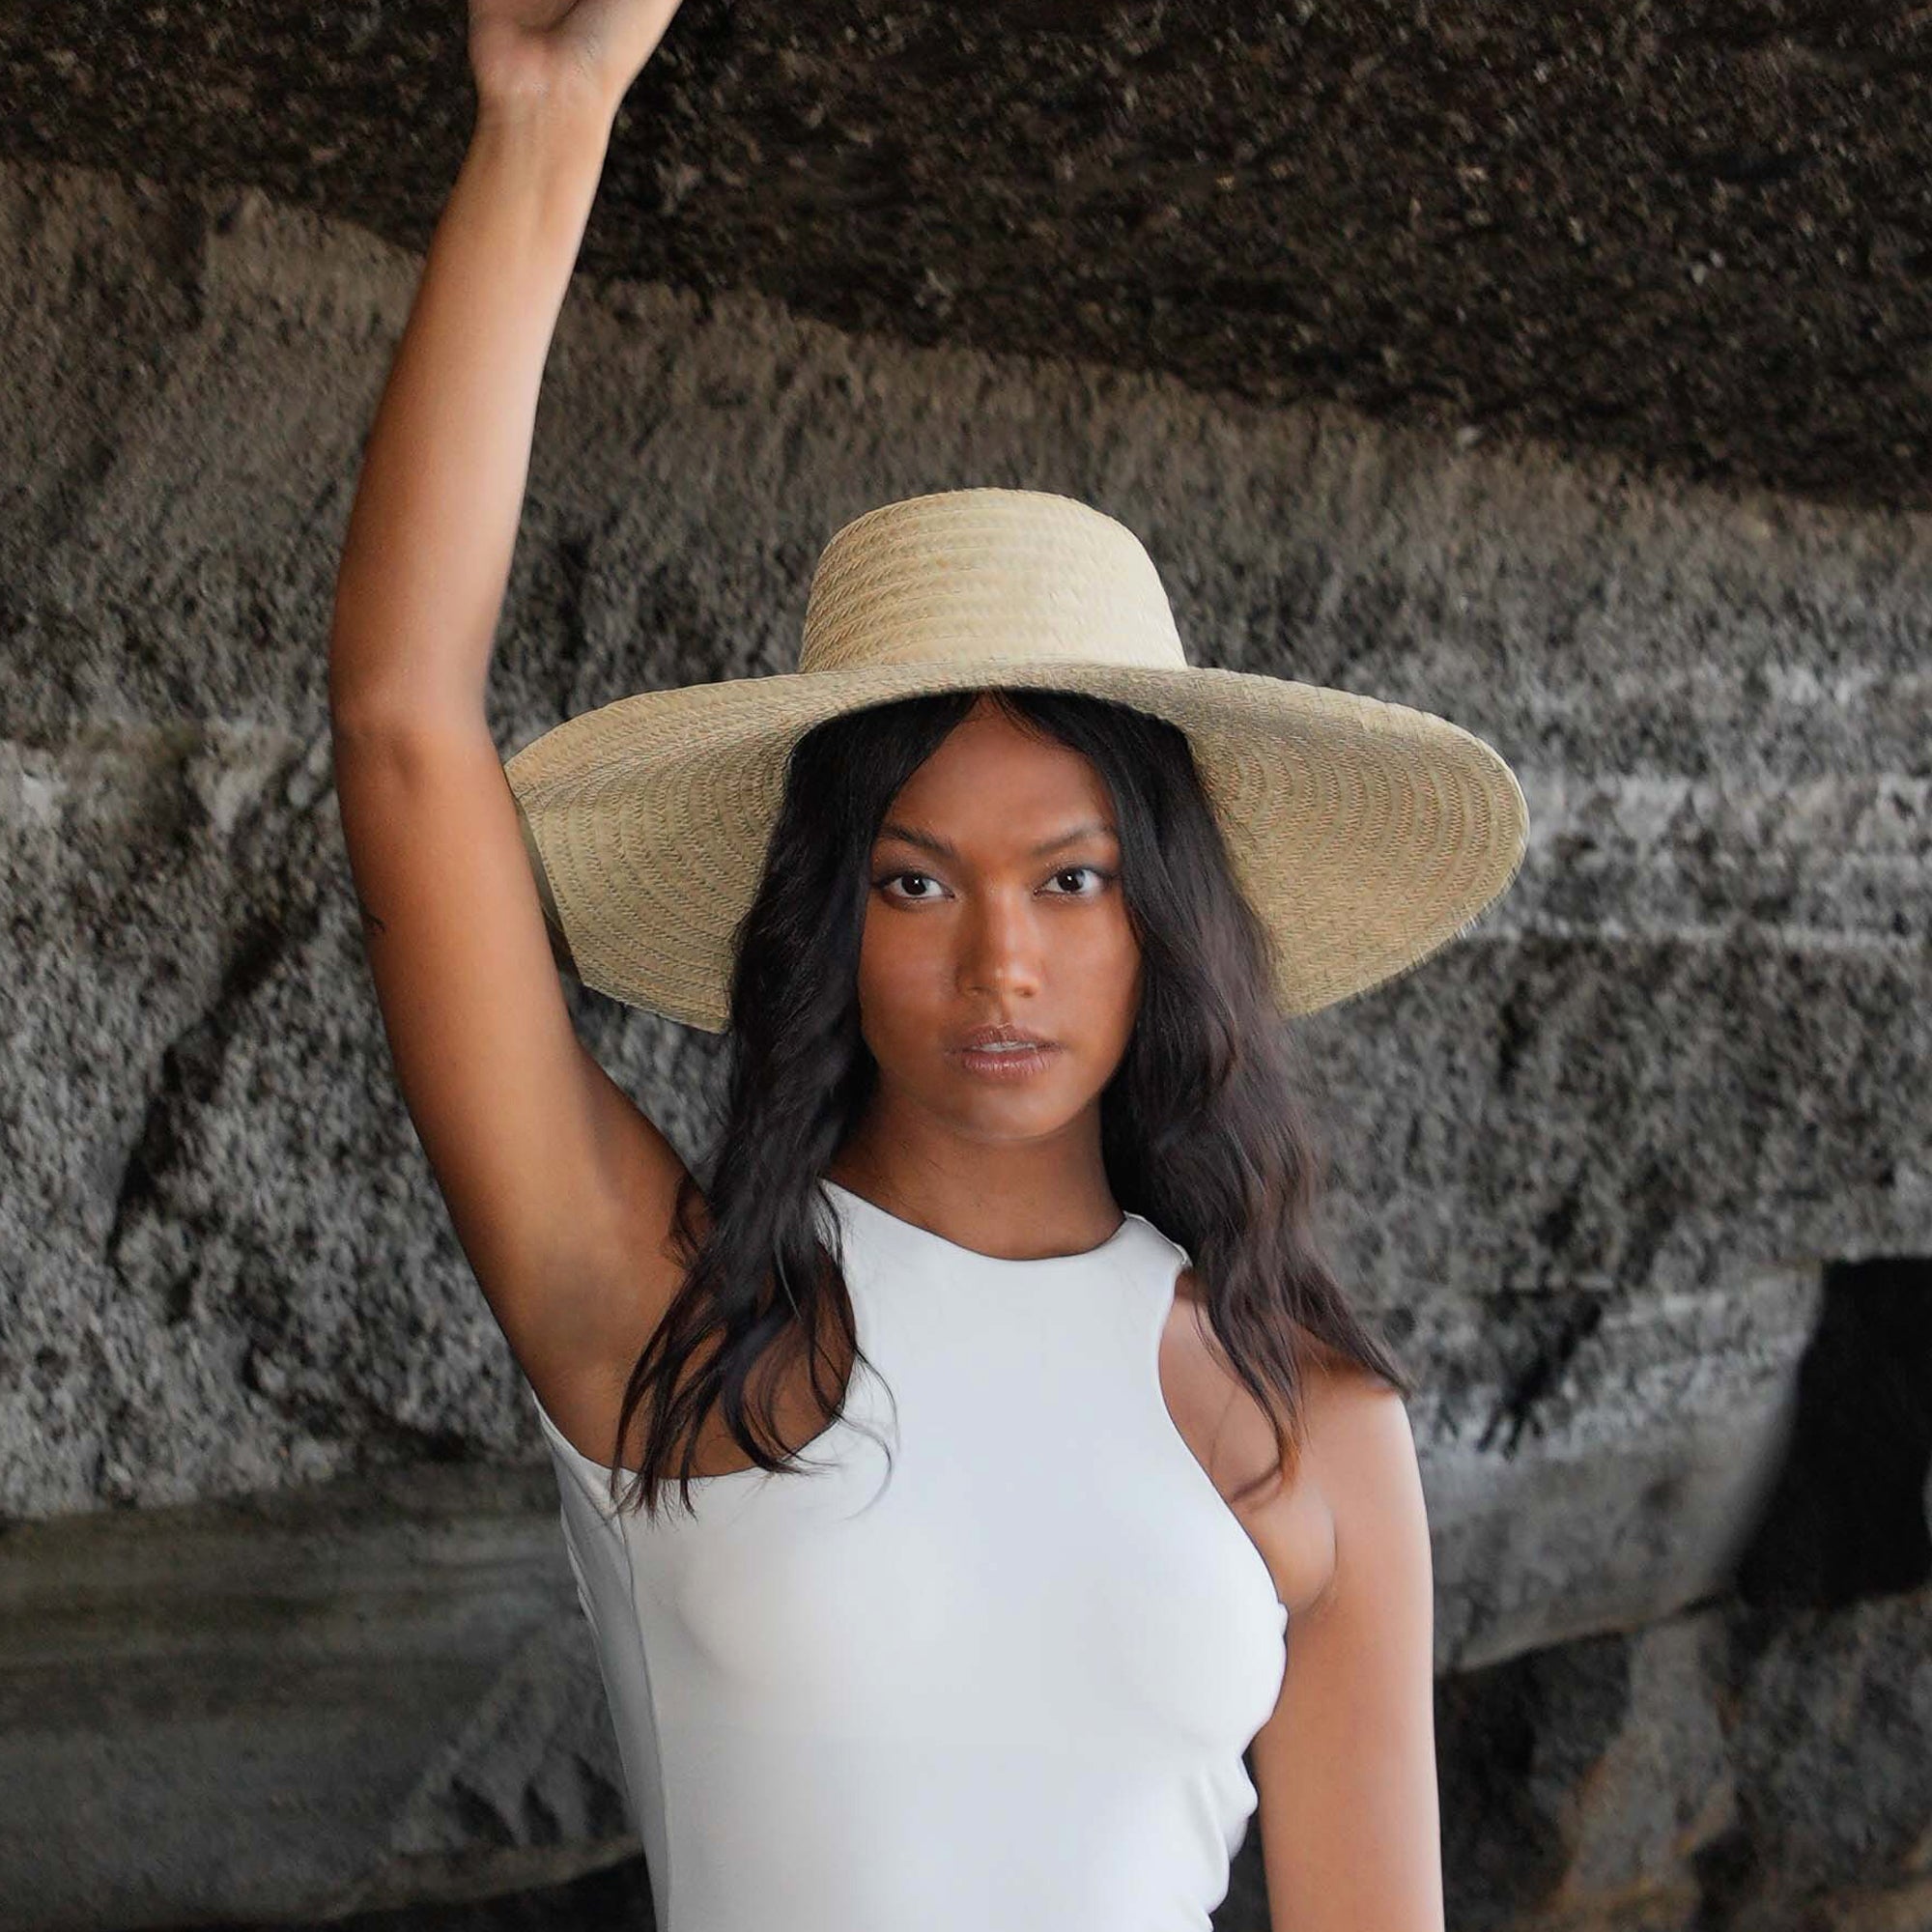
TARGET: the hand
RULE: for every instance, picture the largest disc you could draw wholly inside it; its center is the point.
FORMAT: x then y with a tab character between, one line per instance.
536	53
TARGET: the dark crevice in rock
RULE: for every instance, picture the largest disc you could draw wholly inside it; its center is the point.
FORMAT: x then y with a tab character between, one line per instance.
572	563
1516	1733
381	1437
480	1814
1559	1329
1657	1202
1725	1869
190	1074
1516	1028
1846	1518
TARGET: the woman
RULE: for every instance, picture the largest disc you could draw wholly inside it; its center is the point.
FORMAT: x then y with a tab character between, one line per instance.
967	1507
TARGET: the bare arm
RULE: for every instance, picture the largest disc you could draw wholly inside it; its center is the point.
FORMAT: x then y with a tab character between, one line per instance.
1345	1769
558	1188
427	553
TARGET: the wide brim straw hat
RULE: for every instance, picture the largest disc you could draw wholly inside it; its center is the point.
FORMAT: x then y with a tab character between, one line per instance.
1366	834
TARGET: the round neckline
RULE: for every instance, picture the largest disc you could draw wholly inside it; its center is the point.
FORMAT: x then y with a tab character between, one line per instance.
1127	1218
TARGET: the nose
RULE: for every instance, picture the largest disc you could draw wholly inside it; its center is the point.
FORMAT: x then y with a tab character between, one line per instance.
1000	946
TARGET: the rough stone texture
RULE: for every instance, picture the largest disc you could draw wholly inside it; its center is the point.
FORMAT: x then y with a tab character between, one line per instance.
1591	1164
1727	1768
339	1698
1697	236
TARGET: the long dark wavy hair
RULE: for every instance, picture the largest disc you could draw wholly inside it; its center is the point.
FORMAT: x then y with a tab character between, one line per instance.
1203	1124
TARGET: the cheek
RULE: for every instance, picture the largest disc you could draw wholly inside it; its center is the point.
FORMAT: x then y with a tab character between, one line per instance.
1107	954
900	978
1095	987
1124	979
1127	998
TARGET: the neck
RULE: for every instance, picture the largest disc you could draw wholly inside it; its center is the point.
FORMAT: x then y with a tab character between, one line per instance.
1021	1201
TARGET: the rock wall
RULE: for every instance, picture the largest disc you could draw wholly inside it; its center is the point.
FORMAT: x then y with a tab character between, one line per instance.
1614	1169
1694	234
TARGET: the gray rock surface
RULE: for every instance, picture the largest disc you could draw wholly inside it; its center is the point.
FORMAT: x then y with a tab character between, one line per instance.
1720	1769
336	1697
1697	237
1592	1164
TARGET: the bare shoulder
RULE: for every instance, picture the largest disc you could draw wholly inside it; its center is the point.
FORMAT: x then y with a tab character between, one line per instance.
1362	1451
1348	1409
1331	1384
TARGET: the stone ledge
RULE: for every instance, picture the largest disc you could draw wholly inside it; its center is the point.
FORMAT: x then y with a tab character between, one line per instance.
378	1691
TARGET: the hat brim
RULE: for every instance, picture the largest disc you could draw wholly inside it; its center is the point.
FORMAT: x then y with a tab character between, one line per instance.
1366	834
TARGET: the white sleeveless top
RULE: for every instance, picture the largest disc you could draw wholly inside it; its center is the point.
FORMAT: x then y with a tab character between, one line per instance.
1006	1684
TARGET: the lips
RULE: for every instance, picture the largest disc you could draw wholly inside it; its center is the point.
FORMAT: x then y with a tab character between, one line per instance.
980	1039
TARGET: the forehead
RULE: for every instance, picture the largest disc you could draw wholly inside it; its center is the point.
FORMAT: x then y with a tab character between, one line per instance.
992	782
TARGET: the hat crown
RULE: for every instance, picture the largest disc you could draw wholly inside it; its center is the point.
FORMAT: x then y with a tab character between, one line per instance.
987	573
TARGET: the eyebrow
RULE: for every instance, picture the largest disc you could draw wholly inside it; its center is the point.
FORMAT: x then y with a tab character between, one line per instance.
931	842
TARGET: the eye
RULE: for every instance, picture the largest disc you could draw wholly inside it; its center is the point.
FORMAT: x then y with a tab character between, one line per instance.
1074	871
891	878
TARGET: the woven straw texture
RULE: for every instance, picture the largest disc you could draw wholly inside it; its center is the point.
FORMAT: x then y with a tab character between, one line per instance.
1367	835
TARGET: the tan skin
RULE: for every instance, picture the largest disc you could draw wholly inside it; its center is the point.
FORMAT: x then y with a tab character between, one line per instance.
559	1186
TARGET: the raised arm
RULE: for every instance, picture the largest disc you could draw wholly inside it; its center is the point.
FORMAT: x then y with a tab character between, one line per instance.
559	1189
